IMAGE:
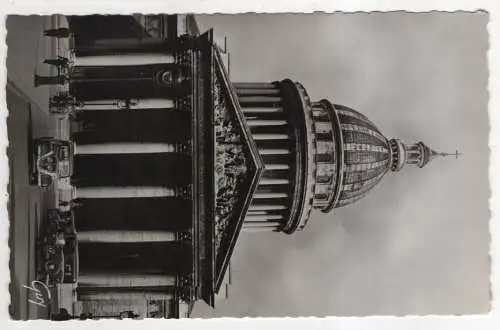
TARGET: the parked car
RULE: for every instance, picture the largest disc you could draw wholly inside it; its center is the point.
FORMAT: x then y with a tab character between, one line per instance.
53	159
58	248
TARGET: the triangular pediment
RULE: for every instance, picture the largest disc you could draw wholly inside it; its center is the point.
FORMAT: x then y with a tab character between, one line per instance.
237	169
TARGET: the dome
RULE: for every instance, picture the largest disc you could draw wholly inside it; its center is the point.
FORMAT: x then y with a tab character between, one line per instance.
366	155
316	155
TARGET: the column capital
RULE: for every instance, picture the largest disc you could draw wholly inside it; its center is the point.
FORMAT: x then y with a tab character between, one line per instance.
184	192
186	42
183	103
184	236
184	147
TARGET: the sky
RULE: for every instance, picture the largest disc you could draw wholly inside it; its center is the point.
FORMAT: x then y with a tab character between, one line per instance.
419	242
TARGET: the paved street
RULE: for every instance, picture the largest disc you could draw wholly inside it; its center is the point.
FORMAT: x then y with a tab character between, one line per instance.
28	116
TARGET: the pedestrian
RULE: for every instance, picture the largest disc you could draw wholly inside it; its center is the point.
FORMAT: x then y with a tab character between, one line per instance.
59	61
57	33
86	316
128	315
63	98
63	315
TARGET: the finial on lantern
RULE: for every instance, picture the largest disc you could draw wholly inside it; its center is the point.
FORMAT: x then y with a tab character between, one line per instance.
446	154
418	154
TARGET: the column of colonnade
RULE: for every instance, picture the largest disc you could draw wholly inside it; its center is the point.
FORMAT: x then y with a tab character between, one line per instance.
268	121
132	172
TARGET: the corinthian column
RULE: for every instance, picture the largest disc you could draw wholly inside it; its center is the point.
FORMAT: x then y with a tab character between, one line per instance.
123	192
124	60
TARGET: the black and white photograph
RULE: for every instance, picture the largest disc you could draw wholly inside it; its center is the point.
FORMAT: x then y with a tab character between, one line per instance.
248	165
